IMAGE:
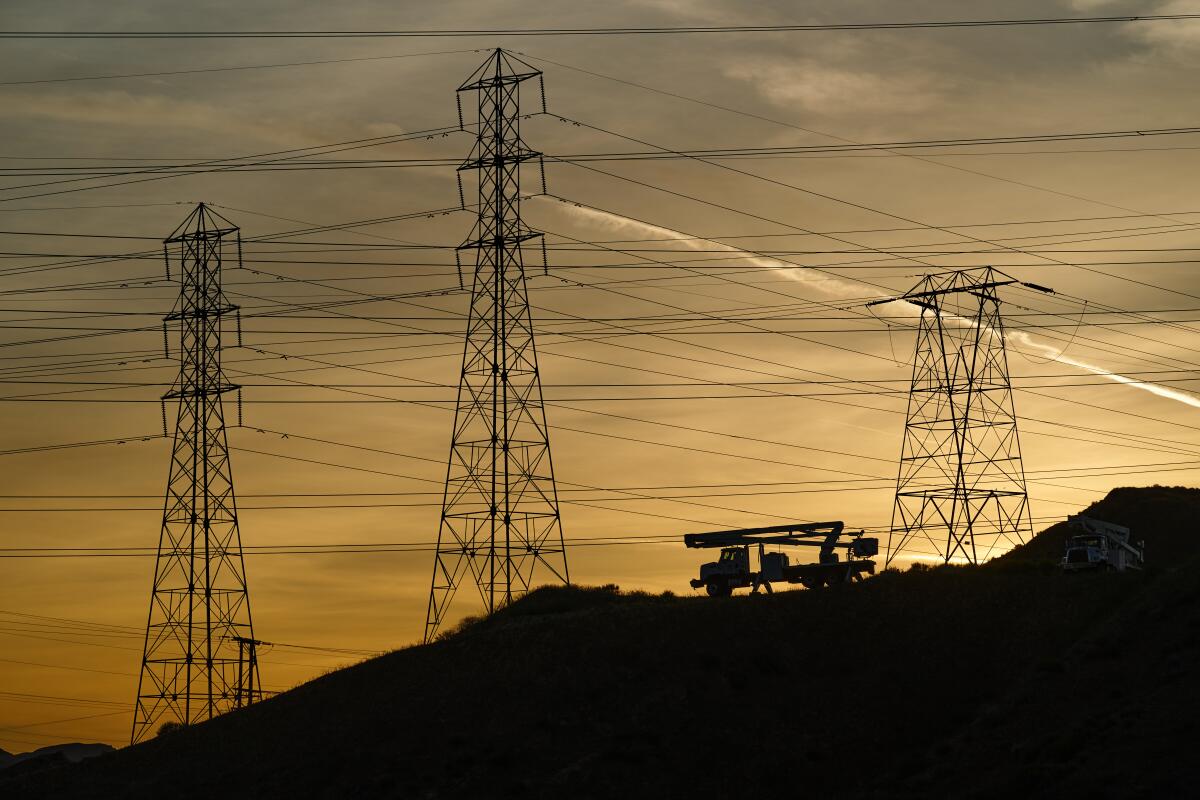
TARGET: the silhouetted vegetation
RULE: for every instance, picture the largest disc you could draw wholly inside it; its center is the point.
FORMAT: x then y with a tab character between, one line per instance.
168	728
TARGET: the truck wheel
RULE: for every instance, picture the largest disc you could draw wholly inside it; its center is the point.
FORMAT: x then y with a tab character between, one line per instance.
835	577
813	582
718	589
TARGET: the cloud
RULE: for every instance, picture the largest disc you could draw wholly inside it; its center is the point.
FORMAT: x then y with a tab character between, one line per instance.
1177	38
831	90
157	113
1169	39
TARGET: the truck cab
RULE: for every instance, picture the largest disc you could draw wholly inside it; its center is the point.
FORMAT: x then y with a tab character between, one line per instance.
1085	552
729	571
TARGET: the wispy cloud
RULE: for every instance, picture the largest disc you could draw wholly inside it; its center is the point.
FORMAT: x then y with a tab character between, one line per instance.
158	114
823	88
1178	38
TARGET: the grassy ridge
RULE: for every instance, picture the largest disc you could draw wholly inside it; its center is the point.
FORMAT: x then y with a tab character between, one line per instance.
908	684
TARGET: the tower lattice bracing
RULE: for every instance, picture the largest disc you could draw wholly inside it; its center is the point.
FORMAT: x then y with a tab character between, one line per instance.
500	523
199	604
961	486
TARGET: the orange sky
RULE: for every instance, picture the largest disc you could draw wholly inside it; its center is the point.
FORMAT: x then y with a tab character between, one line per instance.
1120	214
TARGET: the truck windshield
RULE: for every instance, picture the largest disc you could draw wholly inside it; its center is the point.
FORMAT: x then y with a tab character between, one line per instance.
729	555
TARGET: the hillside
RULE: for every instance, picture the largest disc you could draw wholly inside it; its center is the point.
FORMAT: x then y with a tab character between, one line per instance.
1165	516
1115	715
1004	680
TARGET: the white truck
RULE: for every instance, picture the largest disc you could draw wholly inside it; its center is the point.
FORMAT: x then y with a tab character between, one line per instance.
1101	545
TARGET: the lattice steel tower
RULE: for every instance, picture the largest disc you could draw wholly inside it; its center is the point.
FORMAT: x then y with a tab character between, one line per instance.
500	516
199	604
961	484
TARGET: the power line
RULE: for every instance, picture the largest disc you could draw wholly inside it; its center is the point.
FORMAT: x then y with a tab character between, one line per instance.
240	163
882	485
224	164
128	630
791	125
43	665
206	70
827	485
598	31
698	384
782	184
773	121
344	548
625	347
56	699
156	254
926	160
25	731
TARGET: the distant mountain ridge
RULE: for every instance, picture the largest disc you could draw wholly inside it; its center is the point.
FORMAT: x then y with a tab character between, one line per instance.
53	755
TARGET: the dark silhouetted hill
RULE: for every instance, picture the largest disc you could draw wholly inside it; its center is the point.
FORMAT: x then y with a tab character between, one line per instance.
999	681
1166	517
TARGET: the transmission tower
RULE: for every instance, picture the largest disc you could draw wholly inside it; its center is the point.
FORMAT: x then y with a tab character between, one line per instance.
961	484
500	518
199	604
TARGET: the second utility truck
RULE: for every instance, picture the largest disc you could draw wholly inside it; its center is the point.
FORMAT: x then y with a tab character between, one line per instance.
1101	545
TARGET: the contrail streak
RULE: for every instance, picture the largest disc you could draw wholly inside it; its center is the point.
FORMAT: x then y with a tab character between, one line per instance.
833	286
1161	391
841	288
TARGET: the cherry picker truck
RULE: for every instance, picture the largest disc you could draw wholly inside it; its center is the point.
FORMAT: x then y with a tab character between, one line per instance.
733	569
1101	545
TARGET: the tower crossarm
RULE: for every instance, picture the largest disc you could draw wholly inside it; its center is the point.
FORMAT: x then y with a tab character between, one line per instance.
510	239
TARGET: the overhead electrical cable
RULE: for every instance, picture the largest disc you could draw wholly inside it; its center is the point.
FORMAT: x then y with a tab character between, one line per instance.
783	184
597	31
847	141
239	68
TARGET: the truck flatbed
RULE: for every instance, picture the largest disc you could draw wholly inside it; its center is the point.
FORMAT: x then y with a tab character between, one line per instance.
811	576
